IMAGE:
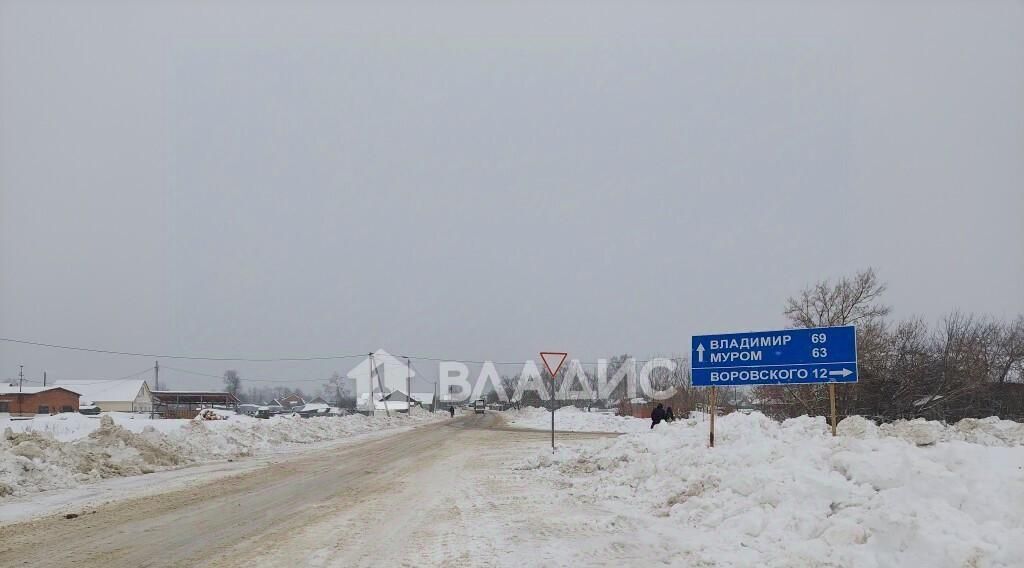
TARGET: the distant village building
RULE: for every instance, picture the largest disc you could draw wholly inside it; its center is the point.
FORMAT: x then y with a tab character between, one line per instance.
425	400
187	404
394	401
291	402
30	401
131	395
316	407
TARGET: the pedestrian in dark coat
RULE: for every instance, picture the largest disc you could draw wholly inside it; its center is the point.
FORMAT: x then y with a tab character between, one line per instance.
669	416
658	415
451	409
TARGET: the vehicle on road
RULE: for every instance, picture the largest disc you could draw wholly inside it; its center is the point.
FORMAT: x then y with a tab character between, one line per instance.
479	406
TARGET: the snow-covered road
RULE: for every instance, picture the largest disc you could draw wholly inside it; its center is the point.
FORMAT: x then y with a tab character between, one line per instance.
475	491
439	494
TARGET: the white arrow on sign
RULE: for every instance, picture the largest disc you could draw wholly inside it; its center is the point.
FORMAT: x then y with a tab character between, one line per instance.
700	352
840	373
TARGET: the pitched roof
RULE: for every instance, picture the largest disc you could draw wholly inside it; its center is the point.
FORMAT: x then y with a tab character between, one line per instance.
396	396
113	390
13	389
363	403
292	400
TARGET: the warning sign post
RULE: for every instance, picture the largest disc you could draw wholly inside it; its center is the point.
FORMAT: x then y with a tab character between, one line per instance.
553	362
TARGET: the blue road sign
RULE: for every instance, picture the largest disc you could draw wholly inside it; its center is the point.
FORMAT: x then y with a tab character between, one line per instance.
783	357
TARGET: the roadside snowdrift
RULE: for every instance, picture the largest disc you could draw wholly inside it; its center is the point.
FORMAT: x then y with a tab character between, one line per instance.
68	450
570	418
912	493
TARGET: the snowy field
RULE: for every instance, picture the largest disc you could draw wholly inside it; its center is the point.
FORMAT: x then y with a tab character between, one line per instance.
68	450
912	493
572	419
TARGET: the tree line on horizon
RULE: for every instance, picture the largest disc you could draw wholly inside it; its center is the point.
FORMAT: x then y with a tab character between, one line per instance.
965	366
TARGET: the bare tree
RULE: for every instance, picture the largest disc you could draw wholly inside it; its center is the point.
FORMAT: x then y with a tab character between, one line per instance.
509	383
232	382
849	301
1009	352
855	300
339	390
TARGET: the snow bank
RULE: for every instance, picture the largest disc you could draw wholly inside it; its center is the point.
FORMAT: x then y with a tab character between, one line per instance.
67	450
570	418
985	431
911	493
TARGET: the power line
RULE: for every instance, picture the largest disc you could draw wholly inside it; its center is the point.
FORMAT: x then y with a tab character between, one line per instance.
274	359
199	374
188	357
454	360
97	381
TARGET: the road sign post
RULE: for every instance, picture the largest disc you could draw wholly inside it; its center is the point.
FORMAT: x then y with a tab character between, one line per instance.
818	355
832	403
713	403
553	362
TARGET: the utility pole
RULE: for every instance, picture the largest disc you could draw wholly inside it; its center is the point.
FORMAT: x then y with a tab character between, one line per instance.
21	376
408	385
156	375
44	378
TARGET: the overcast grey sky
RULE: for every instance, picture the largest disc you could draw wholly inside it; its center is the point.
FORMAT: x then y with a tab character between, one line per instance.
486	180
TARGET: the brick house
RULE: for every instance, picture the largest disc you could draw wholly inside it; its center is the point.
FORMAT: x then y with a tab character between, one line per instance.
29	401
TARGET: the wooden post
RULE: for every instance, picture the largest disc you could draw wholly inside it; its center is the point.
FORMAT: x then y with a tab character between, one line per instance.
713	401
832	400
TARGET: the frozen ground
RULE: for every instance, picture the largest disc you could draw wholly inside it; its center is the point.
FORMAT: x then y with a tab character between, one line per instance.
68	450
443	494
789	494
471	492
572	419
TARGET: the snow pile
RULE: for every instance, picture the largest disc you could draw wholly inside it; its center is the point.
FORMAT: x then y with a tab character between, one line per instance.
789	494
210	414
572	419
985	431
32	461
67	450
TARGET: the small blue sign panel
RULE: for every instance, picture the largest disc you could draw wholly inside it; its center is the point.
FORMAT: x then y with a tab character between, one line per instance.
783	357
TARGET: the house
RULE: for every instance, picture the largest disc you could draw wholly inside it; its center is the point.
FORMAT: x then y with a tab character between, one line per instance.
425	399
387	403
118	395
397	396
30	401
291	402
